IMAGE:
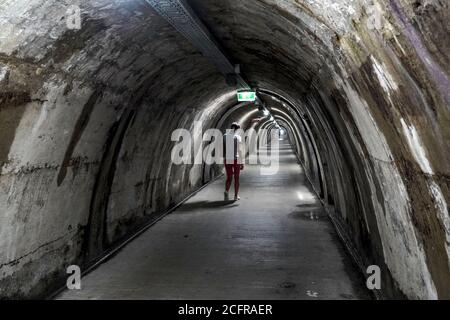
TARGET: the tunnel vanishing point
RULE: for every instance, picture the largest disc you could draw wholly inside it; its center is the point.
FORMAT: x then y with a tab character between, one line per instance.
86	115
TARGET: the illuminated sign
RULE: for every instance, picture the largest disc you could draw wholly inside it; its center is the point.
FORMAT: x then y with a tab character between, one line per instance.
246	96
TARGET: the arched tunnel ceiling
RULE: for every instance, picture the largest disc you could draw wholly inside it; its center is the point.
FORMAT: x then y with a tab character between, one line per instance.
86	116
260	35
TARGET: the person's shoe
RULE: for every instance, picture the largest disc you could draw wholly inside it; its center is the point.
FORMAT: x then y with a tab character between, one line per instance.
226	197
236	198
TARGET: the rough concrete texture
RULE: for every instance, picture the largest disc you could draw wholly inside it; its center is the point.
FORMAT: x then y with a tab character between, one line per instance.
86	117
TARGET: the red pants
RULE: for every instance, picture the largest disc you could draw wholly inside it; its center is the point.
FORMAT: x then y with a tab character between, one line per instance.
232	169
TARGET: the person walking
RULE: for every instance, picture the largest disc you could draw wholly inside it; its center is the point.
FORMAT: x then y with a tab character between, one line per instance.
233	160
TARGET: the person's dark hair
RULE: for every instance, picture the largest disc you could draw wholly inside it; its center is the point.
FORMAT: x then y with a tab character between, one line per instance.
235	126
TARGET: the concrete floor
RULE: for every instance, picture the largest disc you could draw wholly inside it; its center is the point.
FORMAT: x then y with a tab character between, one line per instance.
276	243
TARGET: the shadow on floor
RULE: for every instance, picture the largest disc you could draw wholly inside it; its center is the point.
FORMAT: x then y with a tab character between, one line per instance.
192	206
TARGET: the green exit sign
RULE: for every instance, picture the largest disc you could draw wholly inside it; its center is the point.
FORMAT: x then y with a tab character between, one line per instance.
246	96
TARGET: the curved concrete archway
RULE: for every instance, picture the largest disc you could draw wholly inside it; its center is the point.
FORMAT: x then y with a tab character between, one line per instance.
86	118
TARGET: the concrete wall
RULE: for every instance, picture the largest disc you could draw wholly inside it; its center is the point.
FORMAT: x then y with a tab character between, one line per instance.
86	117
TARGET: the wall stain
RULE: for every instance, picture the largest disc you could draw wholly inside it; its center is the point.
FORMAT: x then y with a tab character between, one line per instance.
95	238
80	125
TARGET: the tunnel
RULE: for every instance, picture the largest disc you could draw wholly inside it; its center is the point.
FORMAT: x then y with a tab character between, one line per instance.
360	89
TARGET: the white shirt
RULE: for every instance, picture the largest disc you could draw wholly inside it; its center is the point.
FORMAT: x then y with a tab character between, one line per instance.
236	143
